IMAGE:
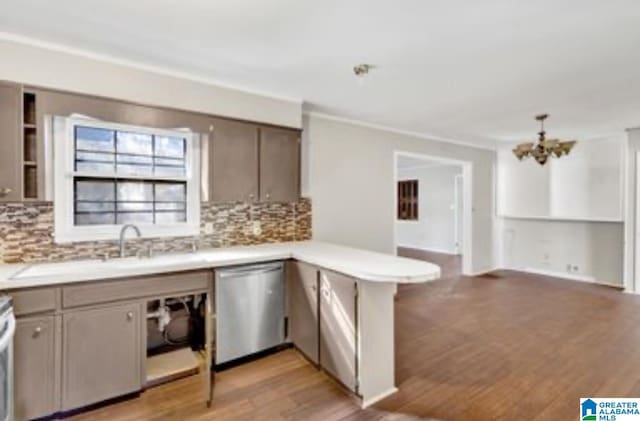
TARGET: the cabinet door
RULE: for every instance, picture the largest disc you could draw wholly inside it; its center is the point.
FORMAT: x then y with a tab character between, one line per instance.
10	142
233	162
35	367
101	354
338	345
279	165
303	308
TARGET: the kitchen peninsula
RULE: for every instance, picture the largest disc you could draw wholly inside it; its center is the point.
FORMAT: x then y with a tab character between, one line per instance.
339	314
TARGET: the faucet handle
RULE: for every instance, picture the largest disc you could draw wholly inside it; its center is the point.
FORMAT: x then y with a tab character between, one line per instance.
150	249
194	246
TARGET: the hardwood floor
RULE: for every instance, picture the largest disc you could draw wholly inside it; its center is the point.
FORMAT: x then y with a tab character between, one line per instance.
450	264
506	346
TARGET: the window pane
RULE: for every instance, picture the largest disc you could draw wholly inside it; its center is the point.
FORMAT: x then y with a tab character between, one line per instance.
94	162
135	206
93	167
95	206
170	167
130	167
170	206
135	218
95	219
135	191
170	172
95	190
135	160
171	192
136	143
170	146
94	156
91	138
170	217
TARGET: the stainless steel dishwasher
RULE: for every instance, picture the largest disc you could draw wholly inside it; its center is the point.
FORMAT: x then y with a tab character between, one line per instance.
249	310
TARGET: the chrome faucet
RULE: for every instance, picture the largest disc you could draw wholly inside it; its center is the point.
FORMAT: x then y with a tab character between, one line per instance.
122	239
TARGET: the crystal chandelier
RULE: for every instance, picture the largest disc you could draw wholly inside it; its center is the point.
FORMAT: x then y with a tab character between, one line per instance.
545	147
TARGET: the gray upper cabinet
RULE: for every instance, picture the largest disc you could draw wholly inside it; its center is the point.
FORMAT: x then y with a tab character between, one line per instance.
233	162
279	164
35	365
102	355
338	327
302	292
10	142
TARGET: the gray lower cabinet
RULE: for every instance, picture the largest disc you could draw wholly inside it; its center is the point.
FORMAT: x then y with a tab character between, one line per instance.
35	387
10	142
233	162
101	354
302	292
279	164
338	327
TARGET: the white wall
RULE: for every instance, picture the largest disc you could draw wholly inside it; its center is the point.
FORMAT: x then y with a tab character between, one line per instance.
34	65
585	185
435	228
566	213
632	280
595	249
351	182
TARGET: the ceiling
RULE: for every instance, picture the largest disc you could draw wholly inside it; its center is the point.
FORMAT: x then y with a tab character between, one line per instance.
472	71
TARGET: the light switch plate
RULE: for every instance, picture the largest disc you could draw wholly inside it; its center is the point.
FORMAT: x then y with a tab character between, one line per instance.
208	228
256	228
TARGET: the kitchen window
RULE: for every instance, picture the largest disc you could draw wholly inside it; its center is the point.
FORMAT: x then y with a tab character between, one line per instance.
108	175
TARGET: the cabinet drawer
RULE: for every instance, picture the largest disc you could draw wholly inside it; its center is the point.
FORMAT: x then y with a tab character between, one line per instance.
30	301
131	288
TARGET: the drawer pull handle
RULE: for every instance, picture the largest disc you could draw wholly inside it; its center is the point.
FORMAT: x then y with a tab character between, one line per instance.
37	331
130	315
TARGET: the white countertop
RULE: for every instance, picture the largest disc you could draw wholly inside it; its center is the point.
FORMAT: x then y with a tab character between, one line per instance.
361	264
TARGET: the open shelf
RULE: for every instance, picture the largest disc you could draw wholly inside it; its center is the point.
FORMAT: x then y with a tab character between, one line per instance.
29	146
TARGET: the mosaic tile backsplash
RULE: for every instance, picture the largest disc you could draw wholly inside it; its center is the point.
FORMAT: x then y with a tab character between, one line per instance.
26	231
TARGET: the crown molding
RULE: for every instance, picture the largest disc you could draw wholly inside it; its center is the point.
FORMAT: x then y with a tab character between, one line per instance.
160	70
389	129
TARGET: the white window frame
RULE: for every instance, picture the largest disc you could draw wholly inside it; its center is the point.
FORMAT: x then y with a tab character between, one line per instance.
63	157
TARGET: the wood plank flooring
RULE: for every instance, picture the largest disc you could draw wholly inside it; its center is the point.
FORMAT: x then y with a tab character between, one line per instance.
506	346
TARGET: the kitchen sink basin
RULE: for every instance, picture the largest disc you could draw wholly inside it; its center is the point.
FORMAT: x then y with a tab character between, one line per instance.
39	270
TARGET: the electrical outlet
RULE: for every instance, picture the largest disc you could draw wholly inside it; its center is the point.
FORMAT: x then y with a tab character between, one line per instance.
208	228
256	228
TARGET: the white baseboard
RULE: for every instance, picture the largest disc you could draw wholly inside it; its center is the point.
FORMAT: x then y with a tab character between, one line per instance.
368	402
428	249
564	275
481	272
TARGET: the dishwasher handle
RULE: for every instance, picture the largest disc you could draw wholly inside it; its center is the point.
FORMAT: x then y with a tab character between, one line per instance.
249	270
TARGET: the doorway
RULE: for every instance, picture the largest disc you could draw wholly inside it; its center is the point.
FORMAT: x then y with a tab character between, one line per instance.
433	217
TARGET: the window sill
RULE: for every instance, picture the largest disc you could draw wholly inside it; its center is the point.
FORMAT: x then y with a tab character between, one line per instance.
112	232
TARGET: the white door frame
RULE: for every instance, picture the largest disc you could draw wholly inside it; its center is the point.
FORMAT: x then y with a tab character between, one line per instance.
467	200
457	201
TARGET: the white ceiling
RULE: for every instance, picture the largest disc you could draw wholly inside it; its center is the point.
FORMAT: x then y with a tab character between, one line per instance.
466	70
